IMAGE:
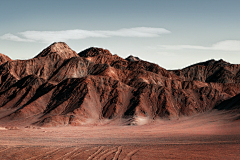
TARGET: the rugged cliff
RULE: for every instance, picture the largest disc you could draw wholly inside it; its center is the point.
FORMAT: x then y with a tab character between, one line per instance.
61	87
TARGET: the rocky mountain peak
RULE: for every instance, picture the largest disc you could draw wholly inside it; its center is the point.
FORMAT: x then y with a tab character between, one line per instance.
132	58
222	61
212	62
94	51
59	48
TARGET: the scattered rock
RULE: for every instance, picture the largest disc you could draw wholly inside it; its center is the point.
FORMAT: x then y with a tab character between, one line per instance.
12	128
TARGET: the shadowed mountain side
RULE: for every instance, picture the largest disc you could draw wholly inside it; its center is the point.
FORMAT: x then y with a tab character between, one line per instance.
232	105
60	87
92	97
20	92
6	79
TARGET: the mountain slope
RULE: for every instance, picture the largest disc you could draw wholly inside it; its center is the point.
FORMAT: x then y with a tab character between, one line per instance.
61	87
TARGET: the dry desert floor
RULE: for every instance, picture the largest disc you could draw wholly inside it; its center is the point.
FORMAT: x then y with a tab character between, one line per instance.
163	140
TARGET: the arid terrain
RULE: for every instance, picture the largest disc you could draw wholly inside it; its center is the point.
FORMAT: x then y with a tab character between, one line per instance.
195	137
96	105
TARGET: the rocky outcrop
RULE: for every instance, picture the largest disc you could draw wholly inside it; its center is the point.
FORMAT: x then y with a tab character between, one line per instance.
61	87
132	58
4	58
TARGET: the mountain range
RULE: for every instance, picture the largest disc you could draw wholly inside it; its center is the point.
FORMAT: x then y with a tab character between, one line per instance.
61	87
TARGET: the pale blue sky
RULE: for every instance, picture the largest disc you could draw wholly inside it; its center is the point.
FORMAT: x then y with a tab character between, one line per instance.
171	33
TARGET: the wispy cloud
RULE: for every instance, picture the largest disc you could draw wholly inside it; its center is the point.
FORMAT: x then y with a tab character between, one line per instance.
12	37
227	45
50	36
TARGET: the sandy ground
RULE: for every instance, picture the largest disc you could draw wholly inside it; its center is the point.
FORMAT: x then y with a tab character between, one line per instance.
187	138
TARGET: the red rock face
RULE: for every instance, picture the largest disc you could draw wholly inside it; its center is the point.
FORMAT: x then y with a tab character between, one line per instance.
211	71
61	87
4	58
60	48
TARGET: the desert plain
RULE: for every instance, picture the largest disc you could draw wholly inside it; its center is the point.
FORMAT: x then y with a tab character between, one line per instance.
195	137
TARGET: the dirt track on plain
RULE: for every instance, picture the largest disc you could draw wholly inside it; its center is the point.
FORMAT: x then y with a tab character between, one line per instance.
163	141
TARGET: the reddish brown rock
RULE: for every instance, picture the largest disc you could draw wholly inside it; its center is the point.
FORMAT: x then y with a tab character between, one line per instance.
93	51
132	58
60	48
4	58
232	105
61	87
211	71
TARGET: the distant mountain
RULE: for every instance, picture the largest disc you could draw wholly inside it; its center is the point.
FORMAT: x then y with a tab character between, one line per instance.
211	71
60	87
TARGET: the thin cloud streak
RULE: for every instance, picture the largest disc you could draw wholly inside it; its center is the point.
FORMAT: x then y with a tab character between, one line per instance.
227	45
12	37
50	36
